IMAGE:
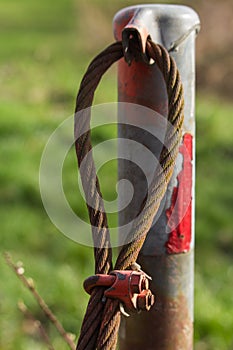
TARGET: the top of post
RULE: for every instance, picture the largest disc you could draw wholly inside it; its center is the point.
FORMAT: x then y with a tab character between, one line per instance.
168	25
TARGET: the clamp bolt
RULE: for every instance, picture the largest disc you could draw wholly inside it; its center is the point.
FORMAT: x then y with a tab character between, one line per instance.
145	300
130	287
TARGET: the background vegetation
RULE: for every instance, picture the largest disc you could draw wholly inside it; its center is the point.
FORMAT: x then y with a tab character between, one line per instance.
45	48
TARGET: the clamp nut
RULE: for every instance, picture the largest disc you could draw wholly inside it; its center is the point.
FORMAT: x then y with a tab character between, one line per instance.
138	283
145	300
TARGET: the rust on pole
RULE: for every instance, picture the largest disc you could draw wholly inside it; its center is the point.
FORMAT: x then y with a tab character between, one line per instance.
167	254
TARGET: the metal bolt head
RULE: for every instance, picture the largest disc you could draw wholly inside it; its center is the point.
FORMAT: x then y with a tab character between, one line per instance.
135	282
145	300
138	282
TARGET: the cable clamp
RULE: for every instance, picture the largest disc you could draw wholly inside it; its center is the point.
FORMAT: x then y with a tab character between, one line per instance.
130	287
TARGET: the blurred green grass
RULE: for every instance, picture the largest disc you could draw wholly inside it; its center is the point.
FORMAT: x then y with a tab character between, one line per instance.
45	48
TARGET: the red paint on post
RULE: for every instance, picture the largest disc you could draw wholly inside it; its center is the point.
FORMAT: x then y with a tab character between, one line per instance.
181	235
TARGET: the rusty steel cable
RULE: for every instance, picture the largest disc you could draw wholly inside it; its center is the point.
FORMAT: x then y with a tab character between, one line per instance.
100	232
101	322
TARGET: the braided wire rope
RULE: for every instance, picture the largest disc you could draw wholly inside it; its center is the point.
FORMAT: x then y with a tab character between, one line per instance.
101	322
100	232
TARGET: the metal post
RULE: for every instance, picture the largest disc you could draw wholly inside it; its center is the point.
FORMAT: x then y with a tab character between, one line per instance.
167	254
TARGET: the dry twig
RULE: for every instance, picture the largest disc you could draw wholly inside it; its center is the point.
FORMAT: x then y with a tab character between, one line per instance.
29	284
23	308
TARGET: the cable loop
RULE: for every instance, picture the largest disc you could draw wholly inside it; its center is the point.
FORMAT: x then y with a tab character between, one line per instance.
101	322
